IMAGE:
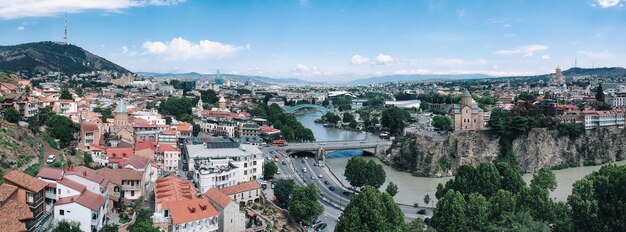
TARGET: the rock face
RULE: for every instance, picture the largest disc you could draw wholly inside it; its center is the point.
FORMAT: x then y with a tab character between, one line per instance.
441	155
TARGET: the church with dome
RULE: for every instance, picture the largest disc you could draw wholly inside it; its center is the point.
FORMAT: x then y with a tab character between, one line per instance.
467	115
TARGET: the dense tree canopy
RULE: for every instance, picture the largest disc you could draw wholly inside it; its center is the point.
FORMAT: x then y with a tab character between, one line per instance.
330	117
177	107
303	205
282	191
61	128
11	115
394	119
361	173
292	129
443	123
371	210
342	103
269	169
392	189
65	94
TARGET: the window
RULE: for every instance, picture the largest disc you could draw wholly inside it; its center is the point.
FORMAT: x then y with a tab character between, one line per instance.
31	198
132	193
61	212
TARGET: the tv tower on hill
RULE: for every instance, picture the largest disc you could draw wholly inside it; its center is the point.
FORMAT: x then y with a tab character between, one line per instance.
65	33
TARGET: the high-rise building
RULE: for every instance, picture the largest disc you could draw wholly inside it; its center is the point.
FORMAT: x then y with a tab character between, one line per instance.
218	78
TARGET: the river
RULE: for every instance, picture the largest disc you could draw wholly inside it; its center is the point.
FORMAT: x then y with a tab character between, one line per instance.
412	189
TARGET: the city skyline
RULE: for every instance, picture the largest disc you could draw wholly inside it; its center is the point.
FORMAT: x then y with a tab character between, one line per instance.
328	40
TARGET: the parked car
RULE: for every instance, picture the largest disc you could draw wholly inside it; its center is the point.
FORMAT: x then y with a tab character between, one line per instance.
326	182
331	188
312	177
320	227
304	170
50	159
302	161
320	176
347	193
284	163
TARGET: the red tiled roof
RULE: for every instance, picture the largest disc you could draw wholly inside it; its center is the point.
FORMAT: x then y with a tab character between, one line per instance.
143	125
6	190
142	145
218	197
171	132
600	112
167	147
117	154
189	210
50	173
9	86
88	174
13	214
25	181
72	184
242	187
96	147
89	127
136	161
117	175
173	188
88	199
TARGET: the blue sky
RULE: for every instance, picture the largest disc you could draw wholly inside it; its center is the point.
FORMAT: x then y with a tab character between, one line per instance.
330	40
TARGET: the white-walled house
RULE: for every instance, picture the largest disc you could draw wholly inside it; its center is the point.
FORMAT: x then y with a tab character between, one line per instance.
89	209
89	178
247	192
195	214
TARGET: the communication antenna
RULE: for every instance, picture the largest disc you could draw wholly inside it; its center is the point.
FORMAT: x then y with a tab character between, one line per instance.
65	34
575	63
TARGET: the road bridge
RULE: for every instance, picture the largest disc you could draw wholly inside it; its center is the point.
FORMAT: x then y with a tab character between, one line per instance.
293	109
321	148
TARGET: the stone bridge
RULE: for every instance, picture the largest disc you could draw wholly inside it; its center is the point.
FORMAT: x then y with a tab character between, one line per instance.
321	148
292	109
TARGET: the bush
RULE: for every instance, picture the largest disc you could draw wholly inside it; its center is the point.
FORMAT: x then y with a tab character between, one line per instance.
573	130
53	143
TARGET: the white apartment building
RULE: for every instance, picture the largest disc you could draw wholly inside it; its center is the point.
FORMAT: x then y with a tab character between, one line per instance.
223	164
168	157
89	209
597	119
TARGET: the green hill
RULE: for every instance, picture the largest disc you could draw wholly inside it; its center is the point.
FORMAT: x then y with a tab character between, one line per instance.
43	57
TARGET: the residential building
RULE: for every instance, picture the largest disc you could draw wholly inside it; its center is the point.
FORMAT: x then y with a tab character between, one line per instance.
88	209
277	101
146	149
50	176
89	134
125	185
168	158
15	214
196	214
248	129
596	118
117	155
247	192
30	191
89	178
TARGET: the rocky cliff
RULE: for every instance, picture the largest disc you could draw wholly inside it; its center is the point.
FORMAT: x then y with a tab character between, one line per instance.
441	155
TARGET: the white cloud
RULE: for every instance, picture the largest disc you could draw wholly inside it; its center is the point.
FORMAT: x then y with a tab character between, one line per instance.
302	68
182	49
383	59
509	34
460	72
596	54
20	28
607	3
545	57
359	60
124	49
507	25
413	72
457	62
40	8
525	51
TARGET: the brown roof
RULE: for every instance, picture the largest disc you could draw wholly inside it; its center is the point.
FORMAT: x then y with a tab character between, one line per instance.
72	184
25	181
13	213
50	173
88	199
188	210
89	127
117	175
173	188
88	174
136	161
218	197
142	145
6	190
242	187
167	147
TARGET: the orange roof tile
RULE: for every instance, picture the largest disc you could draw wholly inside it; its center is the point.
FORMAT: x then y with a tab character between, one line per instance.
189	210
89	127
88	174
218	197
136	161
25	181
13	213
242	187
117	175
142	145
50	173
173	188
167	147
72	184
172	132
6	190
88	199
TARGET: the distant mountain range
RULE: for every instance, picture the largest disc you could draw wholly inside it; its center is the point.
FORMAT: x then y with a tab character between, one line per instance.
417	77
259	80
43	57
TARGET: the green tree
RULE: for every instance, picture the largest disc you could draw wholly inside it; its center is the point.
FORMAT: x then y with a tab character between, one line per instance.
87	159
331	118
544	179
110	228
282	191
355	171
392	189
394	119
477	212
65	94
303	205
375	174
79	91
443	123
600	93
371	210
64	226
269	169
518	222
427	199
62	128
177	107
501	203
348	117
450	214
143	222
11	115
196	129
598	200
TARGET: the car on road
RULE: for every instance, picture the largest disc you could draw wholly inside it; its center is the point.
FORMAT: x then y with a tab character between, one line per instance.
326	182
320	227
362	142
320	176
284	163
315	164
50	159
306	157
346	193
304	170
189	176
278	172
312	177
302	161
331	188
421	211
322	143
276	156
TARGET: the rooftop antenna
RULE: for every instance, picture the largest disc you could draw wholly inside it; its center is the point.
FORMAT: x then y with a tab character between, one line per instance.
65	34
